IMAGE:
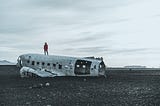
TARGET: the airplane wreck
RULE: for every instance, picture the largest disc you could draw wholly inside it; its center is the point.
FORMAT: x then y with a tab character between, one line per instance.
39	65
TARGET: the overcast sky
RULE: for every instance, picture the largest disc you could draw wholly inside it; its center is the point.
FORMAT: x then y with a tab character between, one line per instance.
124	32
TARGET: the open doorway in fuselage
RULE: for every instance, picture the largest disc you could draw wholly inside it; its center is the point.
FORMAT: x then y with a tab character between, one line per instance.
82	67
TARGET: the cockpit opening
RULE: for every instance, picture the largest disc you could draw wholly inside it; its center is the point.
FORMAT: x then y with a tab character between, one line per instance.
102	67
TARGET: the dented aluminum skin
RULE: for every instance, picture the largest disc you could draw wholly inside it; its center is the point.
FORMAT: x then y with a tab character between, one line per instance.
39	65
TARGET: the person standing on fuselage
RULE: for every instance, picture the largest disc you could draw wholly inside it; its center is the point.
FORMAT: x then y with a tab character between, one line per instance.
45	48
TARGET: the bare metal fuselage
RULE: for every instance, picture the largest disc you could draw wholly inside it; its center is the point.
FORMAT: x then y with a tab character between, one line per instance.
51	66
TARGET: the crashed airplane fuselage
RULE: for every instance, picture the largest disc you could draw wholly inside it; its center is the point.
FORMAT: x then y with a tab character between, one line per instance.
50	66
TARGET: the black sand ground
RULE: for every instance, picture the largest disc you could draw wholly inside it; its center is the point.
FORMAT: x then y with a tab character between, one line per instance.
120	88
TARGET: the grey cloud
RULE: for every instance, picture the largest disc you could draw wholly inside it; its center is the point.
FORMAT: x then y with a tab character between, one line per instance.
129	51
157	15
90	50
16	29
87	37
29	16
120	20
82	40
106	50
18	47
111	21
52	3
81	4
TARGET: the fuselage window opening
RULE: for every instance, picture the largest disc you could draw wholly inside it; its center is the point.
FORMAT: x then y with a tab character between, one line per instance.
33	62
43	63
37	63
48	64
54	65
28	61
60	66
102	66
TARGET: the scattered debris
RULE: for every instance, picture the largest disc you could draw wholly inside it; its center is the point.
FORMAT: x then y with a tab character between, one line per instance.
2	104
38	95
43	98
40	85
28	103
47	84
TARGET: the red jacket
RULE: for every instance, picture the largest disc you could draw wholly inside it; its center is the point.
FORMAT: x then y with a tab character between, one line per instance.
45	47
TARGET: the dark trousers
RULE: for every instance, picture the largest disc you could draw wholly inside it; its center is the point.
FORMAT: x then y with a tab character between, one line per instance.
45	52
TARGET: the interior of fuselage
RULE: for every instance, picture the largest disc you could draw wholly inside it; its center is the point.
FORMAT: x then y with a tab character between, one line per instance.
82	67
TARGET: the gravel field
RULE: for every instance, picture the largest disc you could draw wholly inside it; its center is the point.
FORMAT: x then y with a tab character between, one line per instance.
120	88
